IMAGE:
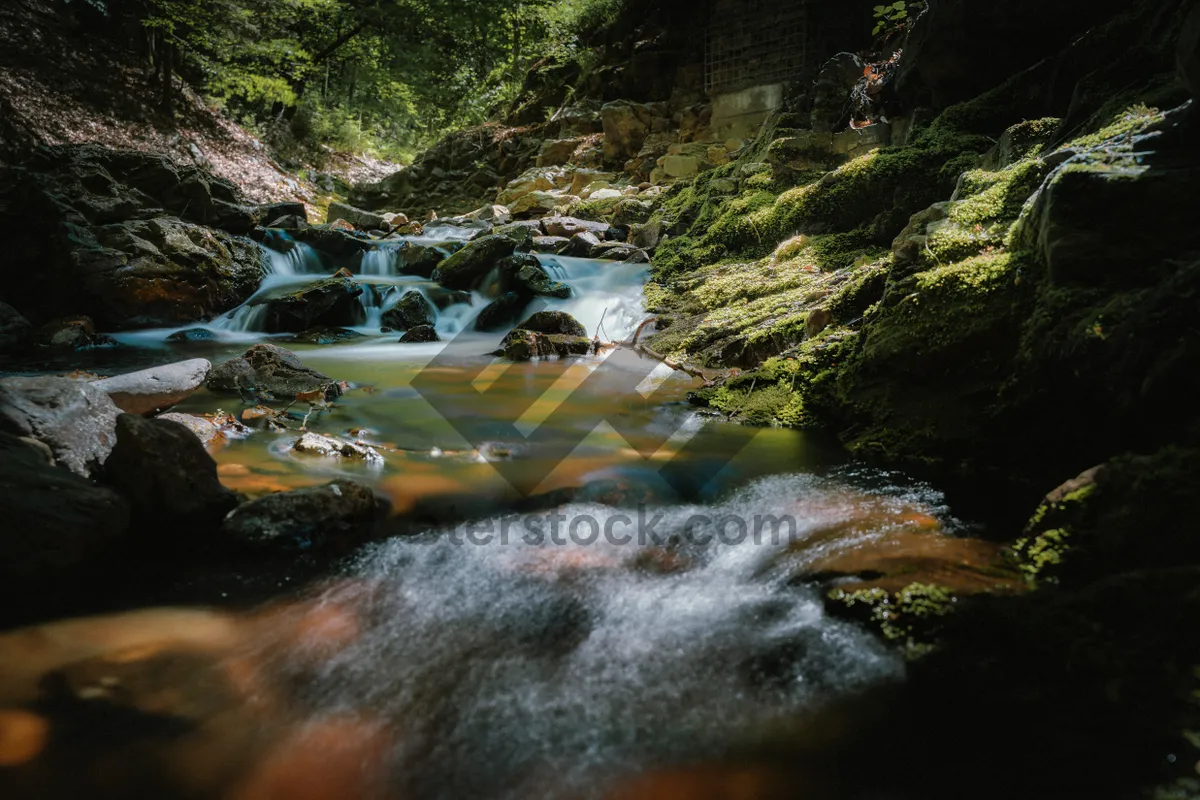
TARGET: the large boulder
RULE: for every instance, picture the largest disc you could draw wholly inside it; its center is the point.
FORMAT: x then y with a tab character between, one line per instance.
124	237
412	311
269	369
338	516
421	334
525	345
168	479
69	333
14	328
53	519
469	265
420	259
151	390
554	322
74	419
332	302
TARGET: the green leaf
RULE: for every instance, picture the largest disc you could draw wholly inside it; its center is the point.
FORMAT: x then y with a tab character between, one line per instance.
900	5
878	28
880	9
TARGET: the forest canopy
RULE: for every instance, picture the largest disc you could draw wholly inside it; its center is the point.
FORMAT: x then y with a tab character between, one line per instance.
382	76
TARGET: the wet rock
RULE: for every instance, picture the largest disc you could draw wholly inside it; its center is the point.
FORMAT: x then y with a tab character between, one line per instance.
569	226
69	333
74	419
555	322
395	220
412	311
550	244
419	259
332	302
582	244
168	479
523	273
326	335
502	312
469	265
288	222
338	515
14	328
364	220
335	242
192	335
150	390
205	430
272	370
419	334
443	298
264	417
53	519
524	345
620	251
318	444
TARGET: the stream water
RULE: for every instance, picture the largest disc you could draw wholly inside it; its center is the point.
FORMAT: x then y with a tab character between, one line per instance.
649	623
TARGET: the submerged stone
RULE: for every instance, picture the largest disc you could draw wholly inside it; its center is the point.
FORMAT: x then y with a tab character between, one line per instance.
420	333
318	444
338	515
326	335
270	369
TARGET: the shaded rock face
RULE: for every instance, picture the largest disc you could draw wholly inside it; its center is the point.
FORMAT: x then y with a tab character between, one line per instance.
168	479
332	302
502	312
155	389
205	430
831	93
270	369
626	126
420	334
14	328
121	236
443	298
74	419
419	259
555	322
412	311
936	49
53	519
337	516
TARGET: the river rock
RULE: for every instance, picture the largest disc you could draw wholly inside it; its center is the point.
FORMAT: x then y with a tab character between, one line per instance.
443	298
524	345
338	515
412	311
205	430
494	213
167	477
150	390
269	369
319	444
53	519
569	226
582	245
326	335
550	244
620	251
555	322
502	312
14	328
469	265
192	335
69	333
420	334
420	259
626	126
523	273
365	220
74	419
331	302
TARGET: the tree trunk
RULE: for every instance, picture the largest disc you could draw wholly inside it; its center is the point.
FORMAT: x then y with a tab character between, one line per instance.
167	65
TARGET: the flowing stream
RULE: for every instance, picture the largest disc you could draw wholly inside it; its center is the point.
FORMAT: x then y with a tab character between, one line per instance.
648	622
